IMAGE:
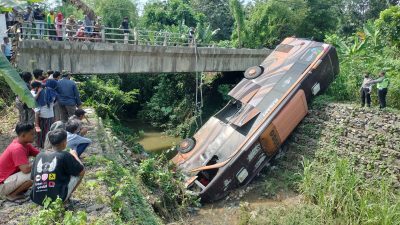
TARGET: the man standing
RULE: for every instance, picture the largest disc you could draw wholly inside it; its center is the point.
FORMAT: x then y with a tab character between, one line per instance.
38	15
125	27
26	114
68	96
365	90
6	48
50	25
56	173
14	163
382	85
27	26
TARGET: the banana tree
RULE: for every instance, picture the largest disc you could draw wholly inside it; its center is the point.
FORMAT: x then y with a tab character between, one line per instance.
15	82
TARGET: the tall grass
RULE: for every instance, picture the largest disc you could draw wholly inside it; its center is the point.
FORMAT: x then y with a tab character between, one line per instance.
345	197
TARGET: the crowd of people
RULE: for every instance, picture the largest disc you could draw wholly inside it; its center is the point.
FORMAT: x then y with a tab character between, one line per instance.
54	133
34	22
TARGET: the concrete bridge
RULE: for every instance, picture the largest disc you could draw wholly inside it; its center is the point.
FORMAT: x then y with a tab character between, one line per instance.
114	58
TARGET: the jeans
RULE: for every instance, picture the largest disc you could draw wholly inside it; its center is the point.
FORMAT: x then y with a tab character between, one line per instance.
81	148
39	25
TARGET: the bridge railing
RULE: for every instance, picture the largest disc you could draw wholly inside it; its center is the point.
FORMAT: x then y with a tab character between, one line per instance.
134	36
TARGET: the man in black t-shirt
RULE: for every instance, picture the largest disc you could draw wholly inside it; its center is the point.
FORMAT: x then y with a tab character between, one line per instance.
125	27
56	173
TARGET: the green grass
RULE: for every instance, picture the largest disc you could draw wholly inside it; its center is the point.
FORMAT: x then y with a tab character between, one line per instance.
345	197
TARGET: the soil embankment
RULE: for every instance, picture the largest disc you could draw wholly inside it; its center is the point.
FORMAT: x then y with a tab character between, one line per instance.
369	138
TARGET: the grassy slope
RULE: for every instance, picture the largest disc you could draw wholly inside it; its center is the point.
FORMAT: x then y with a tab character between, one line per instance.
344	163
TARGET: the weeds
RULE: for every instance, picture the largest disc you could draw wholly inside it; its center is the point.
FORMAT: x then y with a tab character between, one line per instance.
54	213
158	175
127	200
345	197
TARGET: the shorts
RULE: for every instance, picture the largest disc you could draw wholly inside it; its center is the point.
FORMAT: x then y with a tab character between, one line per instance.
13	182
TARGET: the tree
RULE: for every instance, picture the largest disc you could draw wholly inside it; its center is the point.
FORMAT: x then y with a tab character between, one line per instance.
218	16
113	11
237	12
158	15
355	13
321	18
80	5
270	22
389	25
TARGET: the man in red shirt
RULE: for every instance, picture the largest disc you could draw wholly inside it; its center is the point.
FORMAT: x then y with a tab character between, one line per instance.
15	168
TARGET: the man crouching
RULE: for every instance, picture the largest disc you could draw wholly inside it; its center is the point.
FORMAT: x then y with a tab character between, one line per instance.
14	163
56	173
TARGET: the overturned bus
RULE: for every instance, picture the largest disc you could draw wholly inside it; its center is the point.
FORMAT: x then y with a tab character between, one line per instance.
266	106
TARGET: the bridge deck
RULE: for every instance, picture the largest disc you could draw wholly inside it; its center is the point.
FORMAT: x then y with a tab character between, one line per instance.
114	58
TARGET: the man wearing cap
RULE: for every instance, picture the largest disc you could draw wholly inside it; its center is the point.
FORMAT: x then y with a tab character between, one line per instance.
69	98
382	85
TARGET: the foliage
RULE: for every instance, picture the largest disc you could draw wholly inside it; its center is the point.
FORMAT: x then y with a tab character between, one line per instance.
55	213
363	52
15	82
271	22
172	104
159	175
218	16
68	10
345	198
224	89
113	12
355	13
204	34
158	15
237	11
105	96
127	199
321	18
389	25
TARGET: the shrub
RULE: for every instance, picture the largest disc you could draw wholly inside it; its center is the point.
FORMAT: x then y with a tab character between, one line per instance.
106	96
55	213
345	197
159	175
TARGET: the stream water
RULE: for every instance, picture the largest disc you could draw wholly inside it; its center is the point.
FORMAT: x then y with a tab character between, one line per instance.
153	139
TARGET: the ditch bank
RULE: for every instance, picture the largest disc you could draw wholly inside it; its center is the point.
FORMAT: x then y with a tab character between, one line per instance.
367	140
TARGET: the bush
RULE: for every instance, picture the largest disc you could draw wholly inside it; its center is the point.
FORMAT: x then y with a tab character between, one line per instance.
172	104
55	213
106	96
365	52
159	175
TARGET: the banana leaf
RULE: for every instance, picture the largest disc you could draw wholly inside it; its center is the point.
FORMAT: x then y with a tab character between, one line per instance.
15	82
